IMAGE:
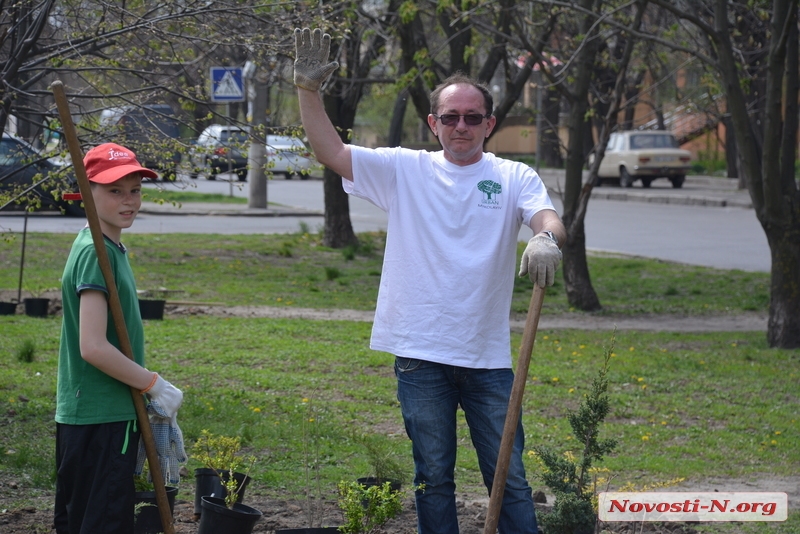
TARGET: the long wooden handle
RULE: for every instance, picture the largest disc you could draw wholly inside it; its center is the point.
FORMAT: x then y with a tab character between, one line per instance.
514	409
113	299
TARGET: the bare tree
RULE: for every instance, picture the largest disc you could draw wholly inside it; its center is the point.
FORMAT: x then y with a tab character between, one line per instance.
758	70
110	54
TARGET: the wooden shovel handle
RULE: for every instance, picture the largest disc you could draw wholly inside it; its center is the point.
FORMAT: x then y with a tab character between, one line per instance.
113	299
514	409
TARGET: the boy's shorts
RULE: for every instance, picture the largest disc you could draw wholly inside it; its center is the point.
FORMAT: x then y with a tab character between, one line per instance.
94	486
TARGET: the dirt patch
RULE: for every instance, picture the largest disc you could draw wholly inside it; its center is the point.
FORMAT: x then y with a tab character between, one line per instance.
277	514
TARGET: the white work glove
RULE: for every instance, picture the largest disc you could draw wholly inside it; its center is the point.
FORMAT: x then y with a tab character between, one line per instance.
311	66
540	260
168	440
168	396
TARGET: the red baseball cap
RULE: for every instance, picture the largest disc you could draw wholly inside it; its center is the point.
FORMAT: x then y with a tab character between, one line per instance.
109	162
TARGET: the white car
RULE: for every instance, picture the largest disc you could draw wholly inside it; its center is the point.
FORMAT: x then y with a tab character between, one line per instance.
644	155
289	156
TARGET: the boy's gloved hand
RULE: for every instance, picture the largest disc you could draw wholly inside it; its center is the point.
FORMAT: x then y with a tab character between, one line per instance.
168	439
168	396
540	260
311	66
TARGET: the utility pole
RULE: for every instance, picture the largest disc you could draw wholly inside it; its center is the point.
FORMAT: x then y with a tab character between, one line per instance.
257	109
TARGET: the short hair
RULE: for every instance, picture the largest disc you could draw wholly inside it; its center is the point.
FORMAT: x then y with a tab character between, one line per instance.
460	78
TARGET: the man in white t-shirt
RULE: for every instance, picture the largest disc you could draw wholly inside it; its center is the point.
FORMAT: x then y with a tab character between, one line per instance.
448	274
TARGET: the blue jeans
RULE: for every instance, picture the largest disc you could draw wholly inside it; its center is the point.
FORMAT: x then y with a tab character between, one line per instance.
429	395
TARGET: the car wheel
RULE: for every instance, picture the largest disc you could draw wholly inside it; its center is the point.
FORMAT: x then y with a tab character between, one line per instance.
677	181
646	182
625	179
242	175
304	176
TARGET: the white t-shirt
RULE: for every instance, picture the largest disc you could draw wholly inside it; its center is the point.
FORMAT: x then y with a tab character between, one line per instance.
450	258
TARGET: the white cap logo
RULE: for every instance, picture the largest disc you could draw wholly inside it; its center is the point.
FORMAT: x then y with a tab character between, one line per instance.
117	154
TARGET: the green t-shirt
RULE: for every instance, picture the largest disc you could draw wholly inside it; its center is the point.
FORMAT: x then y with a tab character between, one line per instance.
86	395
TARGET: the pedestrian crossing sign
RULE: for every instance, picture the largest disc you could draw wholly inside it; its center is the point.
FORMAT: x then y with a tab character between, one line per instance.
227	84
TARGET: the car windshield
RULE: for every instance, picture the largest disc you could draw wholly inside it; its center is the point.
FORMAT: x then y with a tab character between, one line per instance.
653	141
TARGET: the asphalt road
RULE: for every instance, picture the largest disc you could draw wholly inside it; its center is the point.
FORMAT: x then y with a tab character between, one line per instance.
726	237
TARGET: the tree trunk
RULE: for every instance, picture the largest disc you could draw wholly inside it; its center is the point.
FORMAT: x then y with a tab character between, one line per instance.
731	152
783	328
551	143
398	114
580	292
338	228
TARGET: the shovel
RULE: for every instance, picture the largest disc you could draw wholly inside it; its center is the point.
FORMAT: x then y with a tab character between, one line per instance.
514	409
113	299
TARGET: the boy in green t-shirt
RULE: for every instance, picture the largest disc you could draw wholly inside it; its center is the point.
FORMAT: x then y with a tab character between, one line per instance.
96	430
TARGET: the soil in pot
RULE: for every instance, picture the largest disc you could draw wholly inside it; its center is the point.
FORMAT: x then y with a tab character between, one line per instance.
148	520
151	309
8	308
208	483
218	518
37	307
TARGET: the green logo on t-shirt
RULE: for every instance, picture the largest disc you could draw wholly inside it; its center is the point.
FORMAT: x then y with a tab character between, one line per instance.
490	190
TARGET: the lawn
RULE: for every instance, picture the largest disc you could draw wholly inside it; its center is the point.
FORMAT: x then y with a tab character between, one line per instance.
683	406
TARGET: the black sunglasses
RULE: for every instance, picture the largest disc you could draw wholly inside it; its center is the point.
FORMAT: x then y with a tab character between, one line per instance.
472	119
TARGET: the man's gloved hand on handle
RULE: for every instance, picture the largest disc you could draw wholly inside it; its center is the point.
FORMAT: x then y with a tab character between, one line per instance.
311	65
540	260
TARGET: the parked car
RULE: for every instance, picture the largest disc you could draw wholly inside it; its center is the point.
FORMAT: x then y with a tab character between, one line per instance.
220	148
289	156
22	168
644	155
151	131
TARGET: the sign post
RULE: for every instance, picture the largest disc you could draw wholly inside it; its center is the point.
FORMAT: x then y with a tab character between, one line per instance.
227	85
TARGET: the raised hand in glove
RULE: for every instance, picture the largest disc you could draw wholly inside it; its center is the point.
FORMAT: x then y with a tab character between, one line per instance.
168	439
311	66
540	260
168	396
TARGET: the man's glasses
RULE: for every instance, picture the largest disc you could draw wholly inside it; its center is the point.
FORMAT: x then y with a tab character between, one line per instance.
472	119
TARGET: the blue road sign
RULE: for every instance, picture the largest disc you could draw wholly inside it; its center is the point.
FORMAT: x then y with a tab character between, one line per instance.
227	84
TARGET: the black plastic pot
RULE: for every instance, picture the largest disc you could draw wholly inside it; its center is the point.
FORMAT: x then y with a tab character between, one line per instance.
208	483
8	308
36	307
218	518
148	520
152	309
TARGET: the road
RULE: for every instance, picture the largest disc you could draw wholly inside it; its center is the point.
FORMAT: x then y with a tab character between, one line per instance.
711	236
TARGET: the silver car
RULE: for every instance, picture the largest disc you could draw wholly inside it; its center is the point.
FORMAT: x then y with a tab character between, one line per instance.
289	156
644	155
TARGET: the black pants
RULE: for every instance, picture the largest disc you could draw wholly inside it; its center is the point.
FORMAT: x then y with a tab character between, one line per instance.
94	484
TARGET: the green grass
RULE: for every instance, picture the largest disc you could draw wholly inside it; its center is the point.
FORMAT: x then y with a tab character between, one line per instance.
297	270
683	405
691	406
162	195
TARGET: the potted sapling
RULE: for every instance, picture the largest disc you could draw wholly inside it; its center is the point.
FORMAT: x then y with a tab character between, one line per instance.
220	485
